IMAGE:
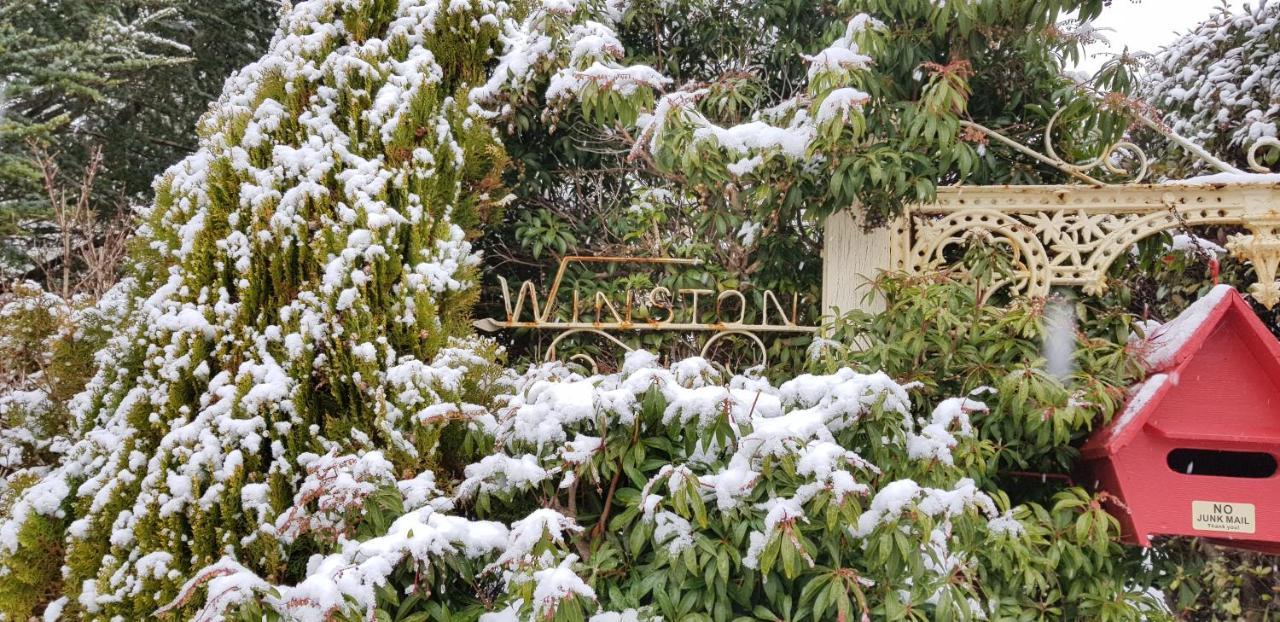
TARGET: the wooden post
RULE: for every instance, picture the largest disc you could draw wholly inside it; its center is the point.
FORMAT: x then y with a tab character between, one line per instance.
851	258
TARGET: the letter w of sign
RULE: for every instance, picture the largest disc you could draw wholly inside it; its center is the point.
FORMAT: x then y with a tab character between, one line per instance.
527	291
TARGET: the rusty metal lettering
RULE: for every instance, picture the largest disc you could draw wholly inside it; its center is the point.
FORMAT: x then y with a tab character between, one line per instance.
602	301
513	315
694	306
607	324
660	298
764	309
742	305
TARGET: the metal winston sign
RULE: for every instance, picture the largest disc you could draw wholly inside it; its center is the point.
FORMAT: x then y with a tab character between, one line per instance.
659	308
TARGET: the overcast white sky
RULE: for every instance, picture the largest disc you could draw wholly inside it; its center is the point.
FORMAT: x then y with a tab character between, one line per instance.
1149	24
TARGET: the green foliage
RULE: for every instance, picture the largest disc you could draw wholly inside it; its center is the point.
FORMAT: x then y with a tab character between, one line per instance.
542	230
954	339
949	338
33	576
129	76
1202	581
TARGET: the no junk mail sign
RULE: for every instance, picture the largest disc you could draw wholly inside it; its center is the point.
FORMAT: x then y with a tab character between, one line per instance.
1223	517
1195	450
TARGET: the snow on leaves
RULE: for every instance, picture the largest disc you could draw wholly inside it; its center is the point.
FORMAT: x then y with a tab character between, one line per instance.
1219	85
770	457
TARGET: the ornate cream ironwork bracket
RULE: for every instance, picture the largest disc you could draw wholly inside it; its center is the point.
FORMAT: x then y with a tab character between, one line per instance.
1261	247
1065	235
1059	235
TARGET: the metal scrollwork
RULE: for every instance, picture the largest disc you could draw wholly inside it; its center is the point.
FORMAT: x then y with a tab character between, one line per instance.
1106	160
1252	156
662	307
1071	235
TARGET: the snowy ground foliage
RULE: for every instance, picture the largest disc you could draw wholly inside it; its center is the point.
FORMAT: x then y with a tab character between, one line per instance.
46	344
1219	84
682	493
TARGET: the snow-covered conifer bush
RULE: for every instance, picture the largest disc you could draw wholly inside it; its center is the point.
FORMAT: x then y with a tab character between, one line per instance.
1219	84
303	280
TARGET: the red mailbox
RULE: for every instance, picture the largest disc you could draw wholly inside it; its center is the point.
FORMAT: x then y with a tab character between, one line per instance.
1195	450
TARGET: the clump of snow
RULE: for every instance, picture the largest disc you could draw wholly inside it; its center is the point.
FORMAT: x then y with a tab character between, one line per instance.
1139	397
892	500
758	136
836	57
938	437
843	54
1228	179
500	473
556	584
1189	243
742	168
1164	343
528	532
672	531
840	103
1006	525
45	498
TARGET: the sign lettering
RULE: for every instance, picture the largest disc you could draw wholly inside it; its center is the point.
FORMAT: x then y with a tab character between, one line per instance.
659	309
1224	517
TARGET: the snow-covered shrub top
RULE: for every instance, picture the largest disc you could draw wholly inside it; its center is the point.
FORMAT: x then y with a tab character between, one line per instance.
794	129
692	470
576	63
572	45
44	341
1219	84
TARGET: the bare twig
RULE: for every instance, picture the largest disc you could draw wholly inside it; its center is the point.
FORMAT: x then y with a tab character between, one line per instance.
90	248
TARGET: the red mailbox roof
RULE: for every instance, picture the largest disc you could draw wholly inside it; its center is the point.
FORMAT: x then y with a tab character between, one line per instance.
1170	348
